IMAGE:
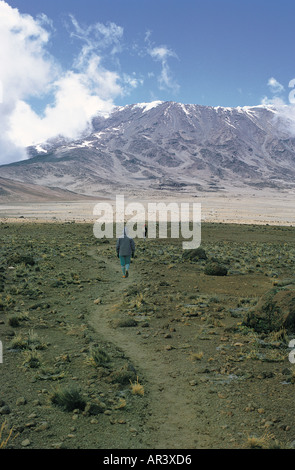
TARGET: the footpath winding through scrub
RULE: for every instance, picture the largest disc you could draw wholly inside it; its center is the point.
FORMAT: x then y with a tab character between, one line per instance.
170	401
200	390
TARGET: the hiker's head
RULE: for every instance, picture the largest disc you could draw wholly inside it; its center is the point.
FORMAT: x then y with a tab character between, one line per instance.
124	233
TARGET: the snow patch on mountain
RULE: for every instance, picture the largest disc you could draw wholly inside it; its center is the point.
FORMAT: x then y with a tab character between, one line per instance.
148	106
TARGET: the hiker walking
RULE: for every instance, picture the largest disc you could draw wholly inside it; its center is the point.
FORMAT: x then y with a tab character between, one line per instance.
125	248
144	231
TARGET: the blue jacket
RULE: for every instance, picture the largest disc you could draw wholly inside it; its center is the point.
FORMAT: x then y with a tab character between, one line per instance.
125	246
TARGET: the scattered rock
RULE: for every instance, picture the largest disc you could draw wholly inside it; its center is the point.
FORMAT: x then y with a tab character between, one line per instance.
26	443
214	268
59	445
268	424
43	426
250	407
94	409
5	410
133	430
21	401
193	383
30	424
36	403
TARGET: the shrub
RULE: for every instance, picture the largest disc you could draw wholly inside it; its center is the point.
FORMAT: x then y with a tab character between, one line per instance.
29	341
14	322
126	323
32	359
68	398
2	282
124	375
98	357
21	258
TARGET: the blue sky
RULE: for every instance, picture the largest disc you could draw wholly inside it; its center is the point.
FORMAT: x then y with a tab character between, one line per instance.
225	51
117	52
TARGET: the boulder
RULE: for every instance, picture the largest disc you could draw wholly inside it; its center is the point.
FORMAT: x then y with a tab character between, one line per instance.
274	311
214	268
195	254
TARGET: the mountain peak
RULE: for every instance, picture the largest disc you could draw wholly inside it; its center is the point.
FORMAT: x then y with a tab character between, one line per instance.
167	145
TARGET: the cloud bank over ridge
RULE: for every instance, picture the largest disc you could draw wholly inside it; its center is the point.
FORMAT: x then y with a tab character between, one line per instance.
29	71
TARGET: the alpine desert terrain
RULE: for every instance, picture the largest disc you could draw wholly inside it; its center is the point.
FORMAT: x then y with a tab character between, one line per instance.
191	351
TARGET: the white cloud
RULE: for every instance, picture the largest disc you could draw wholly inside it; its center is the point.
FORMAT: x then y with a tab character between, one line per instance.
285	117
276	89
98	35
276	101
25	67
68	116
166	80
96	38
285	112
275	86
162	54
132	81
28	70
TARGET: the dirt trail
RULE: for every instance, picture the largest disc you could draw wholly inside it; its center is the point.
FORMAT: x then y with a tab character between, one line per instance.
171	422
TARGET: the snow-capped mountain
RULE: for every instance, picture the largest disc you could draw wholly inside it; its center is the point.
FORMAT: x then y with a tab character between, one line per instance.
167	145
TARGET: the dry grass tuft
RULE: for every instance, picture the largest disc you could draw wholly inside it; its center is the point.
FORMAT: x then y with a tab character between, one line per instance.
5	440
262	442
196	356
136	388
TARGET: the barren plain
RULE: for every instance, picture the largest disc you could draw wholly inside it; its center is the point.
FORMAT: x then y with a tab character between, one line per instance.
165	359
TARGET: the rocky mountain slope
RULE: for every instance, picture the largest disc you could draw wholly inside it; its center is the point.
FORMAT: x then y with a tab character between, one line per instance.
167	145
15	191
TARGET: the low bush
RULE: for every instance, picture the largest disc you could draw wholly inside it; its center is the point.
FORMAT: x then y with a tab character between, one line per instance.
68	398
